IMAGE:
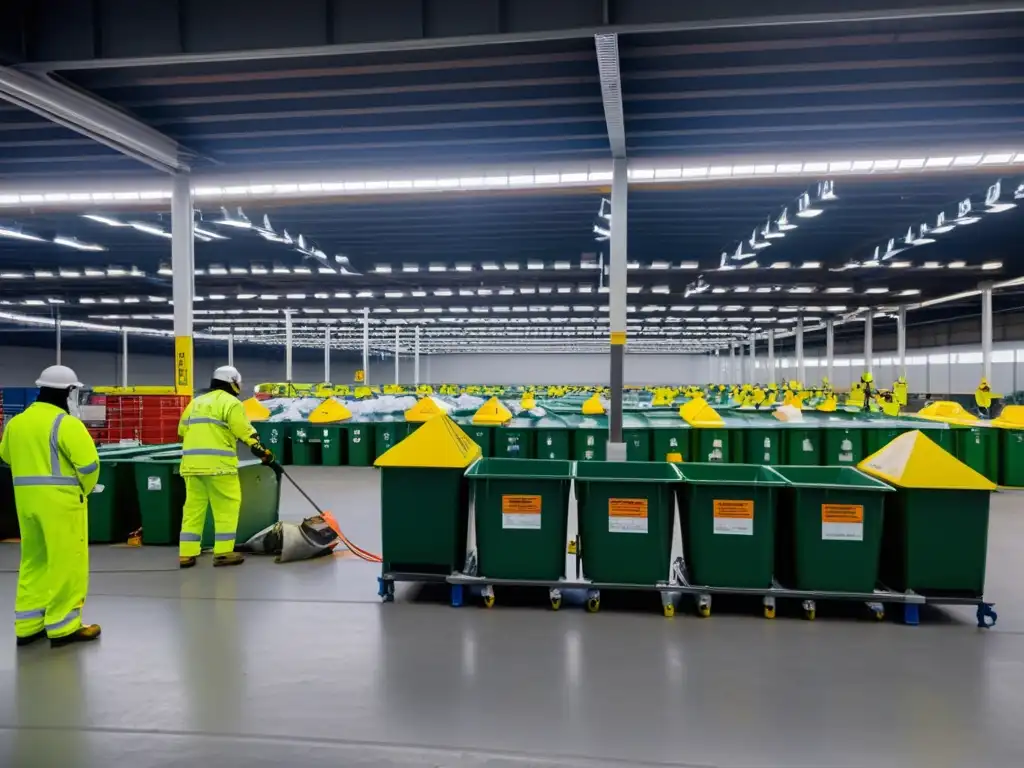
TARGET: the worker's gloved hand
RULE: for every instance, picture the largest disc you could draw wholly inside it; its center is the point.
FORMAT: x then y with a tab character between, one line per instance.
262	453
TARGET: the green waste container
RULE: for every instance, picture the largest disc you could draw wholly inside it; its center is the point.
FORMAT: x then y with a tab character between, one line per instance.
114	503
626	513
332	444
480	434
161	495
973	446
728	514
305	444
842	446
276	436
830	528
669	435
711	444
636	434
424	517
803	446
1011	457
514	440
359	443
552	439
388	432
763	445
521	508
590	438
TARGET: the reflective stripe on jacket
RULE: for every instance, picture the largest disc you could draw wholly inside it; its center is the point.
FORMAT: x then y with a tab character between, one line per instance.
210	427
48	448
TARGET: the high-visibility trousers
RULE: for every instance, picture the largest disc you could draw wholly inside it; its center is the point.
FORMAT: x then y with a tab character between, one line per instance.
54	575
223	495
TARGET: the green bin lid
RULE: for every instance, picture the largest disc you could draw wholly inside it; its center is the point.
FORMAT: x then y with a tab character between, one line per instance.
838	478
717	473
628	471
521	469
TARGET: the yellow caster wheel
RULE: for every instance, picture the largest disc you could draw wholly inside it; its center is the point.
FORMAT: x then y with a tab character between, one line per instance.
810	614
704	610
879	615
593	604
488	601
769	613
669	610
556	603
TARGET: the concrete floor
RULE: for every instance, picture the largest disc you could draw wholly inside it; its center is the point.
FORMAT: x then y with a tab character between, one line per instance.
300	665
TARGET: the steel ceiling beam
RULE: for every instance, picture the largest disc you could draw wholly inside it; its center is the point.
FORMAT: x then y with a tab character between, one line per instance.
517	22
611	91
88	116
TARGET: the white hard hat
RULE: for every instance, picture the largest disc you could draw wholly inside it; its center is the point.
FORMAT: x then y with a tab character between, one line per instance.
228	374
58	377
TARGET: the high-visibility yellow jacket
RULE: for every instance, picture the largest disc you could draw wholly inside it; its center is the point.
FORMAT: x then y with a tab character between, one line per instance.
899	393
48	448
983	397
209	428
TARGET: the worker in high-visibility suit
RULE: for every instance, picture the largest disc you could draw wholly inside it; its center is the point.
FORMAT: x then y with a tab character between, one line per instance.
899	391
983	398
210	428
54	466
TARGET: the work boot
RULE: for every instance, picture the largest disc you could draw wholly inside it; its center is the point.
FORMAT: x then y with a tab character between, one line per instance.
186	562
84	634
29	639
231	558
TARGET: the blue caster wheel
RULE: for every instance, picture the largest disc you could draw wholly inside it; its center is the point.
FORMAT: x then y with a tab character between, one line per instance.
986	616
386	590
911	614
456	595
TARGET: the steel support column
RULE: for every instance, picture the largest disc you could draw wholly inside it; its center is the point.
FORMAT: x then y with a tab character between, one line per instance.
416	359
752	378
830	348
366	345
327	354
182	282
57	329
771	357
288	346
124	357
986	330
617	294
398	341
231	346
901	341
869	341
800	369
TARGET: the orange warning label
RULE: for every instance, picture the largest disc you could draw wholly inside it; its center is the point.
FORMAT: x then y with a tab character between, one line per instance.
842	513
516	504
627	507
734	510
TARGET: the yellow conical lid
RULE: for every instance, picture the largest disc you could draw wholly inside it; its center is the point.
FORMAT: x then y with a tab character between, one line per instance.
1012	417
947	411
829	405
439	443
425	409
329	411
697	413
913	460
592	406
492	412
255	410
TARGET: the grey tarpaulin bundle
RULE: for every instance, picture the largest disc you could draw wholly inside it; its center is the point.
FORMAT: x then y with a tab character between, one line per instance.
313	537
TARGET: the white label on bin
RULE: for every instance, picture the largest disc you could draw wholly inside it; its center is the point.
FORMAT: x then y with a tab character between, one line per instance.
520	512
842	522
734	517
153	484
808	447
627	515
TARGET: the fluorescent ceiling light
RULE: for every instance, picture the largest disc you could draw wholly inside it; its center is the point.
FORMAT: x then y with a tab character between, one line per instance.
877	290
957	264
78	245
149	229
108	220
989	265
17	234
382	268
